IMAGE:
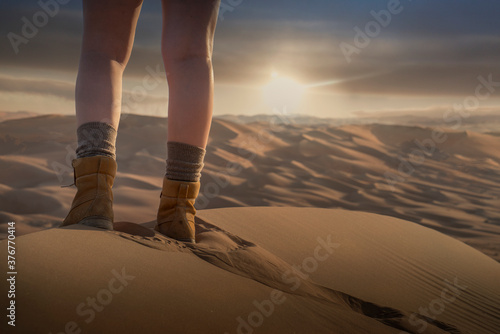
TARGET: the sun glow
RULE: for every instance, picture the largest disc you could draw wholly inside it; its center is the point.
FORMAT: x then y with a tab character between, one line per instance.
283	91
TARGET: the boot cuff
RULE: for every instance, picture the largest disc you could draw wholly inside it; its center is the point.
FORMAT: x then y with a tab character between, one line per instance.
180	189
96	164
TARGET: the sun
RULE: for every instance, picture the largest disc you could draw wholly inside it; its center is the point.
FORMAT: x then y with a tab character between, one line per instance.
282	91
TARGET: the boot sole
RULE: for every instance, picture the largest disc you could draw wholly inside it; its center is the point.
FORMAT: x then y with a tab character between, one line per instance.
188	240
192	241
97	222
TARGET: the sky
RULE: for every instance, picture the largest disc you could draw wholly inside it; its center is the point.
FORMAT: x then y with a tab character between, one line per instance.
323	58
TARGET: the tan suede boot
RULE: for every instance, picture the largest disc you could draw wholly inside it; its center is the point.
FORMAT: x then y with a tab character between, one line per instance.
93	202
176	213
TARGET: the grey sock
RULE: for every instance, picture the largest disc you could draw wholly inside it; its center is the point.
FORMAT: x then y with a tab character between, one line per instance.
96	138
184	162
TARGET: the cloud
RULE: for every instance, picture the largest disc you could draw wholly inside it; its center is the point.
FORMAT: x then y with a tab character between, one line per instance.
65	90
412	58
54	88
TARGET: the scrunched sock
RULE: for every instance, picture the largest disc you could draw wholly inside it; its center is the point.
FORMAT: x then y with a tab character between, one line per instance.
184	161
96	138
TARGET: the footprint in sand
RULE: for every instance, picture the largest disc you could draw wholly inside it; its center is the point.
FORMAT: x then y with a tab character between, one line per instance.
242	257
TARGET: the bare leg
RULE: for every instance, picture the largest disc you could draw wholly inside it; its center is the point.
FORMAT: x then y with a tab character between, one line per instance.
109	30
187	41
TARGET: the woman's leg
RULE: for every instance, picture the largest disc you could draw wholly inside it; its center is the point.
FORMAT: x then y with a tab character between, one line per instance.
187	42
188	32
109	27
108	37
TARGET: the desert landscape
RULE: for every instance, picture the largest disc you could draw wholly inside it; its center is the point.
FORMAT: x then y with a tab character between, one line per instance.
302	226
350	184
449	182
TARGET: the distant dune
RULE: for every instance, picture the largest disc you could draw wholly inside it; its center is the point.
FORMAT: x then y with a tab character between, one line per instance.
485	120
5	115
449	182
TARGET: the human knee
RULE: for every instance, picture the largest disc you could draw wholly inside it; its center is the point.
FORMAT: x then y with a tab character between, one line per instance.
106	44
175	56
172	63
97	57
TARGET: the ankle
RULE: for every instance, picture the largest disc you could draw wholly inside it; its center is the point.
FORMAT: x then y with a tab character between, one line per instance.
184	162
96	138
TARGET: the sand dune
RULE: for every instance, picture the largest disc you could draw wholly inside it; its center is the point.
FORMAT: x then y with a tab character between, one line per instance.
452	186
266	209
5	115
262	270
